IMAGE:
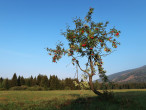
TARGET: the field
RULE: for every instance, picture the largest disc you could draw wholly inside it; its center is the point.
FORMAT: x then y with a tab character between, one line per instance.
72	100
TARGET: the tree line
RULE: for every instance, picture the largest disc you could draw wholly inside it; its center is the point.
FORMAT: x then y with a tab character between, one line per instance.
52	83
128	85
42	82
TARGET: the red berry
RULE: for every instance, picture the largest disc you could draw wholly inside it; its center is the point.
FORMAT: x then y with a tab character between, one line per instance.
110	38
83	45
73	59
117	34
91	48
92	37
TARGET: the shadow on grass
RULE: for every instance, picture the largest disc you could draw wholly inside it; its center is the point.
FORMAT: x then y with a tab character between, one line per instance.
121	101
89	103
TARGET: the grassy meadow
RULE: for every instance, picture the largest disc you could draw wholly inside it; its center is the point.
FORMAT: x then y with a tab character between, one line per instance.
133	99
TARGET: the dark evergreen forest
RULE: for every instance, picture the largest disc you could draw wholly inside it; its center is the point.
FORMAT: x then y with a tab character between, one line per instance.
42	82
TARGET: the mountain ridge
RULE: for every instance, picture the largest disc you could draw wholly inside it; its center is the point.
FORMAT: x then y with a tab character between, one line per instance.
135	75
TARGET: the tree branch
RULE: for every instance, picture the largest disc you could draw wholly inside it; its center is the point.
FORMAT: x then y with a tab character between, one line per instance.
81	68
91	65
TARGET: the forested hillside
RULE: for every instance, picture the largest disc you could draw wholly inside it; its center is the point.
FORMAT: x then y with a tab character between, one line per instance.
130	76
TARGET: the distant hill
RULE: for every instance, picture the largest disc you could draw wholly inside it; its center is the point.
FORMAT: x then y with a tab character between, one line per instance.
132	75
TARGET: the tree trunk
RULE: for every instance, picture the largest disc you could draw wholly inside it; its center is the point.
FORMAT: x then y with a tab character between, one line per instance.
92	87
90	77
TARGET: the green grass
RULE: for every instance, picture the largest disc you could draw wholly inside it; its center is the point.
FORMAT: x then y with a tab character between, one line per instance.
133	99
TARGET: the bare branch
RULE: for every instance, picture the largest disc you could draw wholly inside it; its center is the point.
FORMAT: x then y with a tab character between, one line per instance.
81	68
107	54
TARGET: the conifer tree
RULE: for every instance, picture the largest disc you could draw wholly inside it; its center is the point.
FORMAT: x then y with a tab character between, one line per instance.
44	82
6	84
34	82
22	80
1	80
28	82
14	80
39	78
19	81
53	82
31	81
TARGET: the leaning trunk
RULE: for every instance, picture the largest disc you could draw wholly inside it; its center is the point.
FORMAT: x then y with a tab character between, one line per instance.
92	87
90	77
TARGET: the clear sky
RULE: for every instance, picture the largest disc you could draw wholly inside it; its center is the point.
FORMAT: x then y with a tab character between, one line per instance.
27	27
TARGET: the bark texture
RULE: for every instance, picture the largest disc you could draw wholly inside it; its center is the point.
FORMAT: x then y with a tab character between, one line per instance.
90	77
92	87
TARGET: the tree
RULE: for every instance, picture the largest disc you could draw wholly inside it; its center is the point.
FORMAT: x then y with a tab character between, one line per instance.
62	84
22	80
6	84
97	85
39	77
28	82
1	80
31	81
14	80
88	40
19	81
68	83
44	82
54	83
34	81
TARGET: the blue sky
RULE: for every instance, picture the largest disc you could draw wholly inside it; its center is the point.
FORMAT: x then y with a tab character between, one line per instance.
27	27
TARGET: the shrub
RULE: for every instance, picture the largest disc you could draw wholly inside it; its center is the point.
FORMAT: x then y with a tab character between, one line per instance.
36	88
2	89
67	88
19	88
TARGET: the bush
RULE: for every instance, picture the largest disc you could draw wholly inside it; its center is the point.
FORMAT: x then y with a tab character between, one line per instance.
36	88
2	89
67	88
19	88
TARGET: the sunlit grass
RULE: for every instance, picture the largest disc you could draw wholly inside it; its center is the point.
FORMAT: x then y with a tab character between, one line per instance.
61	99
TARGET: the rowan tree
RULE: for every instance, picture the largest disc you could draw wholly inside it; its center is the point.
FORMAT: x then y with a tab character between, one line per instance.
90	40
